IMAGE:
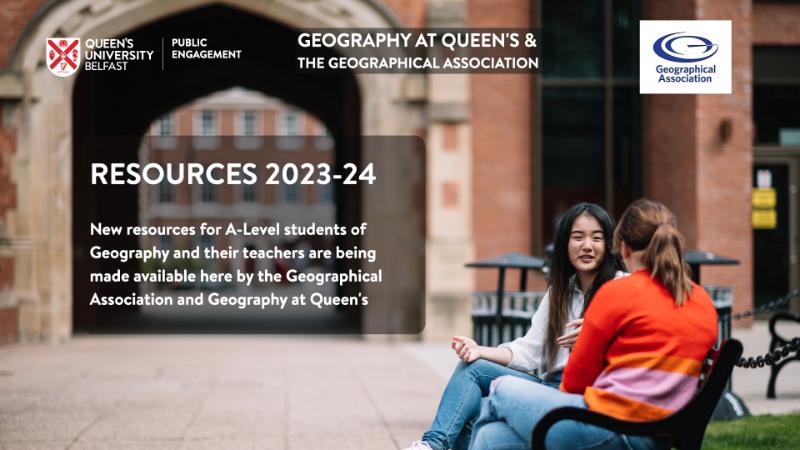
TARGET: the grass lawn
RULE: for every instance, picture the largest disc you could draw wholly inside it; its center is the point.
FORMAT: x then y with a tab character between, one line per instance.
760	432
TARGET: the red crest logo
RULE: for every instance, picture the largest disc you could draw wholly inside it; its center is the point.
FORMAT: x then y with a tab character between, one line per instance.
63	55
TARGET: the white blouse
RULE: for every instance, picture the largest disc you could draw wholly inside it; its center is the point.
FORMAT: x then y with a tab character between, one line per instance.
527	352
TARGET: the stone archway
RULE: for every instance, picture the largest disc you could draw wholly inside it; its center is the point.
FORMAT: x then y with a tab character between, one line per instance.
42	222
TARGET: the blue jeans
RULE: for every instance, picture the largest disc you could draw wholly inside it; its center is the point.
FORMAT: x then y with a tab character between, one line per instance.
461	402
515	406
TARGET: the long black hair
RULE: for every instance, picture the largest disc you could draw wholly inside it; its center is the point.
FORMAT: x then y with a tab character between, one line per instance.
562	273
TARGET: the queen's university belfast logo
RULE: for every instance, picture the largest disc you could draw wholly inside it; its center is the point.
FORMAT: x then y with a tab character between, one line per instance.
63	55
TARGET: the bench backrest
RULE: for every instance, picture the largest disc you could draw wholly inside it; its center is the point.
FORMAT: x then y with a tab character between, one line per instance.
693	418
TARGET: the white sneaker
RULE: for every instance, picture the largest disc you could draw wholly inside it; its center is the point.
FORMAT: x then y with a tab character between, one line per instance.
419	445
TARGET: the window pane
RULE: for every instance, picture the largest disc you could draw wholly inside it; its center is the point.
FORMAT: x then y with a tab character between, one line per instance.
627	148
208	191
776	94
775	114
249	123
572	39
290	124
165	192
572	150
776	64
165	242
290	193
325	193
166	125
625	36
249	192
208	124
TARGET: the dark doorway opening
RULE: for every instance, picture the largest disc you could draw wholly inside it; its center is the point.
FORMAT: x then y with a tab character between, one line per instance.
120	104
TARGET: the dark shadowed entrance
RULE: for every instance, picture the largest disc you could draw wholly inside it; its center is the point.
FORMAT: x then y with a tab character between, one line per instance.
119	104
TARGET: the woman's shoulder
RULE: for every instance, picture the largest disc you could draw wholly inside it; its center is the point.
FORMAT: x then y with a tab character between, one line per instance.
621	279
701	296
624	284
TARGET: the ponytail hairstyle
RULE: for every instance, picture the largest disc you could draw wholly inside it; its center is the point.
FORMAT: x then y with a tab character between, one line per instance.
562	273
648	225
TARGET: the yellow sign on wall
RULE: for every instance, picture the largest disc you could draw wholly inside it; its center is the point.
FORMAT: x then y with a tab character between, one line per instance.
765	198
765	219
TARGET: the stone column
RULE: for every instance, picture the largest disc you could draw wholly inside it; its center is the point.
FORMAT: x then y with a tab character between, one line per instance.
449	191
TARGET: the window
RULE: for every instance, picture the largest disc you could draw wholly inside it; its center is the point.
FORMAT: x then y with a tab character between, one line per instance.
166	191
325	193
207	123
590	143
248	131
249	123
324	141
165	125
206	241
289	123
8	115
206	132
776	94
208	191
289	193
249	193
289	130
165	242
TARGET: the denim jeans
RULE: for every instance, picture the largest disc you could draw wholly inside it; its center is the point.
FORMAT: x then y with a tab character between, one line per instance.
515	406
461	402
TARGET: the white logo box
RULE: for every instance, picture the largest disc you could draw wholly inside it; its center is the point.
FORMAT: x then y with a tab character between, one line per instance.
684	52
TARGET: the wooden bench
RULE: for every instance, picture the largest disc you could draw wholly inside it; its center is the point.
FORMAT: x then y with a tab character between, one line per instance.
685	428
776	342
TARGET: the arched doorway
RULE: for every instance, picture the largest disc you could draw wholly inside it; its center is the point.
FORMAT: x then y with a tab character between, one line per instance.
93	106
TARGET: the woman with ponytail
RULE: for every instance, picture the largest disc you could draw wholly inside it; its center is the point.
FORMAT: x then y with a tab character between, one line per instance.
638	357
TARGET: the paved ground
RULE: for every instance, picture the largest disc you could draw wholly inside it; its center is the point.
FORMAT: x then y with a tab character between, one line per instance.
272	392
176	392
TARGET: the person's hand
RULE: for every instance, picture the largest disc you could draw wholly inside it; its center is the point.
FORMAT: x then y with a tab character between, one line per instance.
467	349
568	340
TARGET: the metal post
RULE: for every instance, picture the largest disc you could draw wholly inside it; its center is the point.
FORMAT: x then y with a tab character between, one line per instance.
498	319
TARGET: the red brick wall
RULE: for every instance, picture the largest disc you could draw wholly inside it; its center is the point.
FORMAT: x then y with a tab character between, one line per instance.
725	167
501	147
14	15
704	180
8	325
8	195
6	273
411	13
8	316
776	23
670	162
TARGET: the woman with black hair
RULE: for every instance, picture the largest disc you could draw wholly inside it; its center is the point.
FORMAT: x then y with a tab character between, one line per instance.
582	262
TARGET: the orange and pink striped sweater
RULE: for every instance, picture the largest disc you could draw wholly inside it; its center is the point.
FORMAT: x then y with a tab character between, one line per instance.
639	356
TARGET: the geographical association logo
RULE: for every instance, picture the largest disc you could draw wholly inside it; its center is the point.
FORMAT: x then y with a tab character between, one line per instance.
63	55
682	48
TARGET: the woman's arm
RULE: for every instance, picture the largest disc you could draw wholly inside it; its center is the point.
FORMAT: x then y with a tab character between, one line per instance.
527	351
588	357
586	360
469	350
